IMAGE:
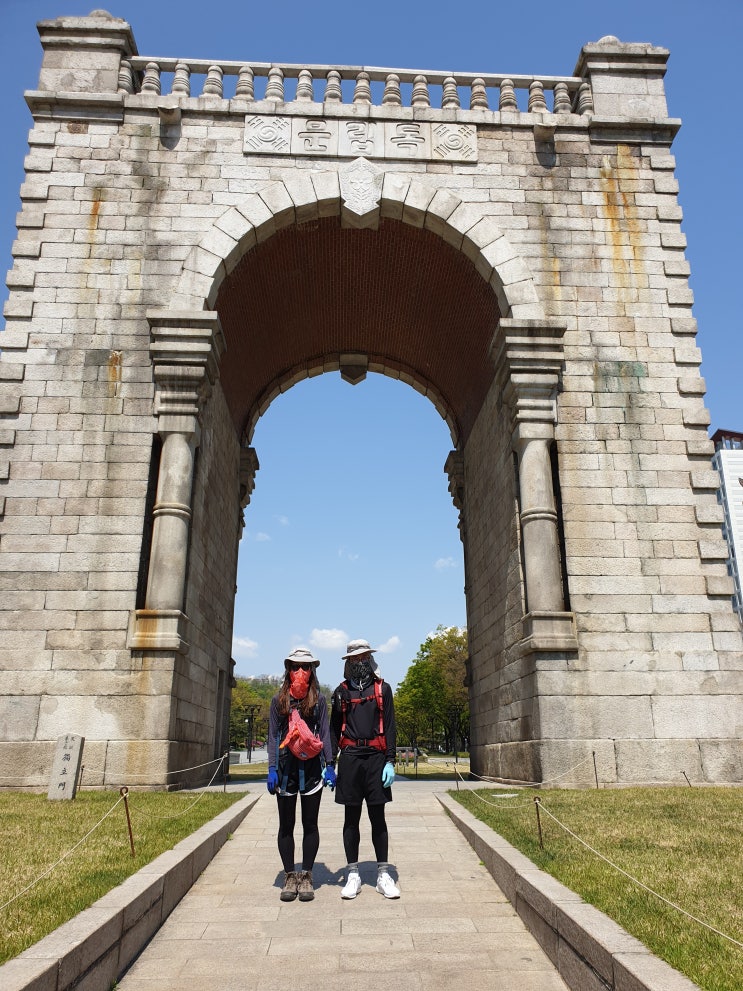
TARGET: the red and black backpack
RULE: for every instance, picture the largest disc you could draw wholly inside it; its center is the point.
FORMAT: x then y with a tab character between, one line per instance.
379	741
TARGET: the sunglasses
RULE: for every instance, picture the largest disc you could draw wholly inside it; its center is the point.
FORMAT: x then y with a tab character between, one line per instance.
300	667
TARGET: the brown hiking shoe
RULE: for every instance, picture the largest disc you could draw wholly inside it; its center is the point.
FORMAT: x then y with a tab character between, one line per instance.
289	891
305	889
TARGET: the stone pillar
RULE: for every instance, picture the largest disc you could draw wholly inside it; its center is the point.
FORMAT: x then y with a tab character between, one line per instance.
185	348
83	54
543	573
454	468
172	520
626	80
529	357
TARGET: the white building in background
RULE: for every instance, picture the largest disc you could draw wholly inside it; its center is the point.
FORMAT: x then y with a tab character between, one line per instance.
728	460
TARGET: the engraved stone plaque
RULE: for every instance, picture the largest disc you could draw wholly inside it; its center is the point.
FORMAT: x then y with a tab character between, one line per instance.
416	140
454	142
361	138
410	139
66	767
314	136
267	135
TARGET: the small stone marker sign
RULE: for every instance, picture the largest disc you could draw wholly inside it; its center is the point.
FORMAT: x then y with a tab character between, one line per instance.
66	766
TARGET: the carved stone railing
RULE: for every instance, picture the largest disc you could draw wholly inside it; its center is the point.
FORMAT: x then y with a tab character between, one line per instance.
303	84
92	68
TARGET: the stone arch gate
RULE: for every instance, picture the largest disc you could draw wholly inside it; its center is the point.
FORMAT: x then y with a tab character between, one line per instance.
182	259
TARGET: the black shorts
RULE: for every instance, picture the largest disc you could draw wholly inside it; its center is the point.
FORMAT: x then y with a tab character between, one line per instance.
360	778
290	781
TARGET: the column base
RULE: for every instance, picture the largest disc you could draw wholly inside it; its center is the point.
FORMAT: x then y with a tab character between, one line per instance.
158	629
549	631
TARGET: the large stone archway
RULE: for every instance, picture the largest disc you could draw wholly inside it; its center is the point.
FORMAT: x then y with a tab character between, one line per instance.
183	259
363	257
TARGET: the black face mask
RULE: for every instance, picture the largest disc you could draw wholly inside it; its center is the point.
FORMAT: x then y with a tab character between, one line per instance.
360	674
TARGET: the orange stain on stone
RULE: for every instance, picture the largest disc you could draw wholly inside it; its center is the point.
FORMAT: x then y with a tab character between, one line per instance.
114	372
624	229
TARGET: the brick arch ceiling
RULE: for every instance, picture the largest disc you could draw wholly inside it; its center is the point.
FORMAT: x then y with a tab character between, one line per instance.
399	294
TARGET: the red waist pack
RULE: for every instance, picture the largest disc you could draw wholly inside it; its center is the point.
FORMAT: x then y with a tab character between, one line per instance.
300	739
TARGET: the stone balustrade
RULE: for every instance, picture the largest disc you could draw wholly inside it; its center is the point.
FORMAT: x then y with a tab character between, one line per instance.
263	81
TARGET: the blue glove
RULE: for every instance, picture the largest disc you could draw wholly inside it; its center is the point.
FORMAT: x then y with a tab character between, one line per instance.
388	775
328	776
273	780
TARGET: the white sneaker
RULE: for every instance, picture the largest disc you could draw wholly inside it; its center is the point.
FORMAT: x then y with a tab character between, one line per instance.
352	886
386	886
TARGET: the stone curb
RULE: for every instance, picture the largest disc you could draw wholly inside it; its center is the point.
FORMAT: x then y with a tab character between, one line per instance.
590	951
93	949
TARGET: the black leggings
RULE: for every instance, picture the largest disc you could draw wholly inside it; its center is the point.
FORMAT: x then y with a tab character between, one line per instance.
352	835
311	834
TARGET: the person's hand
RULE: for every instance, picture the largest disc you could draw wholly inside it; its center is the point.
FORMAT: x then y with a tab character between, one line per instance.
272	783
328	776
388	775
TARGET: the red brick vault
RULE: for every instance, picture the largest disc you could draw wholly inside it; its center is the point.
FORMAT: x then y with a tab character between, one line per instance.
196	237
399	296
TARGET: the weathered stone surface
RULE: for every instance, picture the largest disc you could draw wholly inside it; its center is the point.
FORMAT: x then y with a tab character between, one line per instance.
597	611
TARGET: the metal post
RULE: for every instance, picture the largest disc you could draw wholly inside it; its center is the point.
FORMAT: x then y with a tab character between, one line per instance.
124	791
539	824
253	710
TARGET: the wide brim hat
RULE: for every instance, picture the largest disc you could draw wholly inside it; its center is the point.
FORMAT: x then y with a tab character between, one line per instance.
356	647
300	655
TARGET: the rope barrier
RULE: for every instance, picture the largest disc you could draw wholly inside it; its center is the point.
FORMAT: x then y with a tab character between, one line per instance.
183	770
63	857
529	784
504	808
188	809
636	881
121	798
142	777
516	782
616	867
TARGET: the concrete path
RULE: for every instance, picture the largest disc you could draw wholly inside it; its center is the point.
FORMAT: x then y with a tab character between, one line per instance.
452	926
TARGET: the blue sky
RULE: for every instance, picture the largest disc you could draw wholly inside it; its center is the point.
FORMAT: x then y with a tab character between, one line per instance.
351	531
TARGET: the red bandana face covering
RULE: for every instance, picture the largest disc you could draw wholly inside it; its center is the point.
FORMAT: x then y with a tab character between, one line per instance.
300	682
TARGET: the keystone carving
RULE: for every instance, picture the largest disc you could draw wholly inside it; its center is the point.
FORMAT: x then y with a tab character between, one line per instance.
361	189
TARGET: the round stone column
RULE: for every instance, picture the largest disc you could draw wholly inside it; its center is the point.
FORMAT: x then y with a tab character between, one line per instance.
172	521
529	358
539	530
185	347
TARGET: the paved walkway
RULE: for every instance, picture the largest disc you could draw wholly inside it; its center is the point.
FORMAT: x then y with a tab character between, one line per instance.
452	926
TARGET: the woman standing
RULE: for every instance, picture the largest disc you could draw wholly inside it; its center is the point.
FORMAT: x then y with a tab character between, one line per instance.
299	763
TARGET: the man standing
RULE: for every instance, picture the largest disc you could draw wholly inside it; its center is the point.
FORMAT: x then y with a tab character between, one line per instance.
362	730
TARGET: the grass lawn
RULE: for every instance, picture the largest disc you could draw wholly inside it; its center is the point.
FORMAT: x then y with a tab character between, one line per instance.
36	833
249	772
684	843
442	769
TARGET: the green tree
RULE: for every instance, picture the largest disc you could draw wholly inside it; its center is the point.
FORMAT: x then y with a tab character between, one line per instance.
250	692
432	697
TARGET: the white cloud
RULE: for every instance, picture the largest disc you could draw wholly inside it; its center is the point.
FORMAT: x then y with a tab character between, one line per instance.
260	537
244	648
329	639
389	646
343	552
445	562
283	520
